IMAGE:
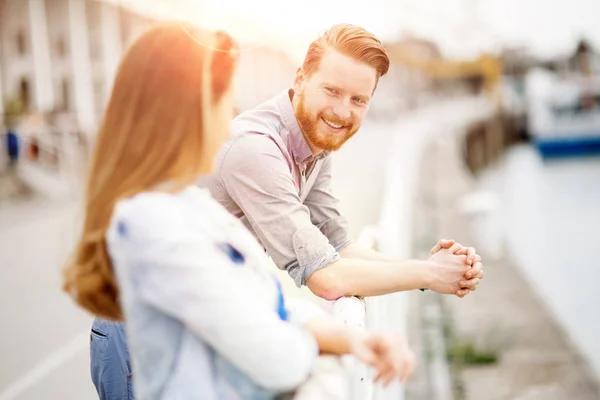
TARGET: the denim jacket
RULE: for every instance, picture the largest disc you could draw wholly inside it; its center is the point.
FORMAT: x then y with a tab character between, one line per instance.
204	319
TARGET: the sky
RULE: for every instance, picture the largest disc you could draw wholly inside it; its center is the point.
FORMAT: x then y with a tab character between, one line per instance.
462	28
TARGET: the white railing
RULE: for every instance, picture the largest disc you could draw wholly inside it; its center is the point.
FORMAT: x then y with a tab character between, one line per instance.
352	311
393	235
56	171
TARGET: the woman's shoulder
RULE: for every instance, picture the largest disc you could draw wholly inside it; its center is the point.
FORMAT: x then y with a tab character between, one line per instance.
159	213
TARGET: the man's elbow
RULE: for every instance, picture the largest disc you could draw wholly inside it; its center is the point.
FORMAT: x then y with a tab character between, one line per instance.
326	283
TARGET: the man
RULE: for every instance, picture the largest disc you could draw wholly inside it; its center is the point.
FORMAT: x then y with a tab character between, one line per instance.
275	174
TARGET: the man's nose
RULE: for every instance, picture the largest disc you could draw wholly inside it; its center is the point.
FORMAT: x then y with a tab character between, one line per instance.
342	111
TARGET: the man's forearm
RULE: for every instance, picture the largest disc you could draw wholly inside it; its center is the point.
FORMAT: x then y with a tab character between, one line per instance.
361	277
355	250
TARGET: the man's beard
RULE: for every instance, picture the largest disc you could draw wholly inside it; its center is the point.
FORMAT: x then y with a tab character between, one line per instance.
327	141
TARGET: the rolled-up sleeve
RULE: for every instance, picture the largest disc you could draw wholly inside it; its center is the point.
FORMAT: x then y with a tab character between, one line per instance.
259	180
323	207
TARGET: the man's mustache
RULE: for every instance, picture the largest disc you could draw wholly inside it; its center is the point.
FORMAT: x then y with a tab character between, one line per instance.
344	122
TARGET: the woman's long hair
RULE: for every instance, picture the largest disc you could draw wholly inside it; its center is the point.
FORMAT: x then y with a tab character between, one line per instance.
168	113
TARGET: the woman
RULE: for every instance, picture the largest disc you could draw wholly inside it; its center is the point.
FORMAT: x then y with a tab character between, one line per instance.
204	319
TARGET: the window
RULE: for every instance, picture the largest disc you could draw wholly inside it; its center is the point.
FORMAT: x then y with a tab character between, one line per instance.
61	47
125	25
66	94
21	42
94	46
24	92
99	95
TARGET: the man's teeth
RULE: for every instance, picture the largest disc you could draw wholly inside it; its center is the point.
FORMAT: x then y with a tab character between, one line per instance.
331	124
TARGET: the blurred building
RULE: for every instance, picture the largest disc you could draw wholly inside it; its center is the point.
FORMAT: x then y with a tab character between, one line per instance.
419	73
59	57
58	60
516	61
584	61
407	84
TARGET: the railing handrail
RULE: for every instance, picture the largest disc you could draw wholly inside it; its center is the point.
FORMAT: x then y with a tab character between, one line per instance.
352	311
60	178
393	233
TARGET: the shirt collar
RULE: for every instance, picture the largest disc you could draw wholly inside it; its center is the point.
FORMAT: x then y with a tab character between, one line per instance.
299	146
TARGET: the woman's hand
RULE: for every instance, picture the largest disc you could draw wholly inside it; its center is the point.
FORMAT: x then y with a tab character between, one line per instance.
387	352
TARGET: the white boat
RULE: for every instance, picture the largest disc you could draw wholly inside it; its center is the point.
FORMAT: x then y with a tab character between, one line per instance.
563	113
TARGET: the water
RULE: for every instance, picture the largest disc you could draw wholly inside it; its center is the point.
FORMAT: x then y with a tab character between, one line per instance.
549	216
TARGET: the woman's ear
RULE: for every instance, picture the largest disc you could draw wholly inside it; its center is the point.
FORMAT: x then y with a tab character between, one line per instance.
224	58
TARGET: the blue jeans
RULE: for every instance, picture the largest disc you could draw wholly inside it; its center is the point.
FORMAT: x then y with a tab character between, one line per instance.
110	365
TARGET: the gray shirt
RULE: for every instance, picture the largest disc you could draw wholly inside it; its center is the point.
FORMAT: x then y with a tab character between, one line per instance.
267	176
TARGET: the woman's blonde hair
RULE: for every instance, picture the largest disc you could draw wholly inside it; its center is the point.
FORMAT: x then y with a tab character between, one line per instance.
166	118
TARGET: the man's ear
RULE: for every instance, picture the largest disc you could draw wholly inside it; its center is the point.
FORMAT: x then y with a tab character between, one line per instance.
299	79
